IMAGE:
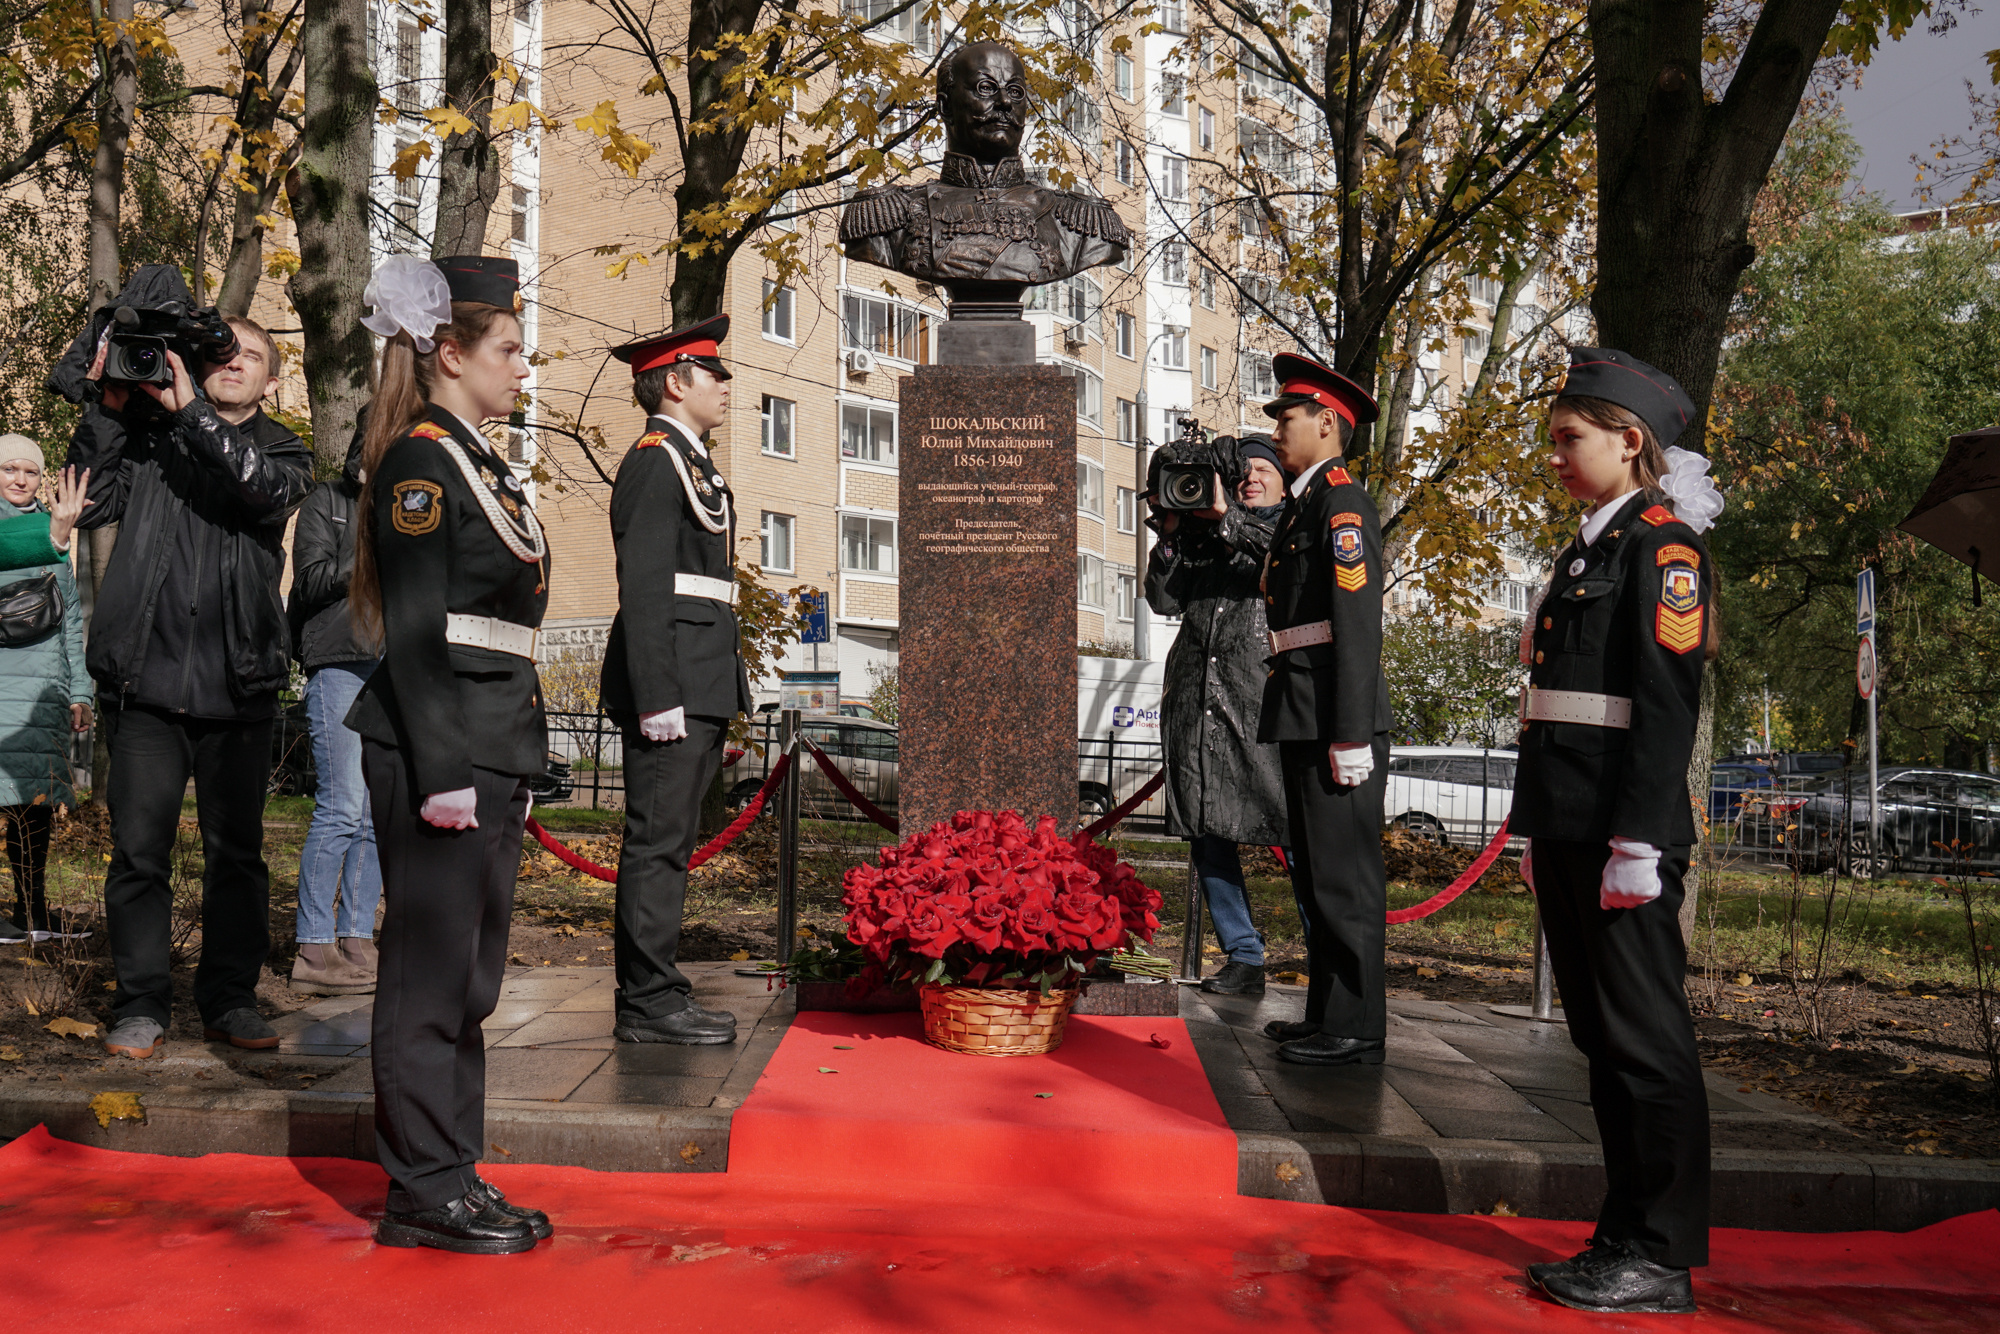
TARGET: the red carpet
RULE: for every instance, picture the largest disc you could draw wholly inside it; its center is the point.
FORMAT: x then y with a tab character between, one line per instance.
1128	1112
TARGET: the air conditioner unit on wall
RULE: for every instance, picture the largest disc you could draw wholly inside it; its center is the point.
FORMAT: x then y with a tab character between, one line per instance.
860	361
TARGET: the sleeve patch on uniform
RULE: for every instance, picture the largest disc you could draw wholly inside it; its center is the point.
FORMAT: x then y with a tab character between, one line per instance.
650	440
418	507
1680	589
1658	515
1350	578
1678	631
1347	544
1342	520
1674	552
1337	476
430	431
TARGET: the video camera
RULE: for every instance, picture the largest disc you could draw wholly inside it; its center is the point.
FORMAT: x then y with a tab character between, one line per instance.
139	339
1184	471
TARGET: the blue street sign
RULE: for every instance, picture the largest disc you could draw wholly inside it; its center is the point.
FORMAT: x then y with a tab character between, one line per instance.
817	625
1864	602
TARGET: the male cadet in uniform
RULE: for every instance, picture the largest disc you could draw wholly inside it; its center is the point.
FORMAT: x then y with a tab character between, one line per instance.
1326	704
673	675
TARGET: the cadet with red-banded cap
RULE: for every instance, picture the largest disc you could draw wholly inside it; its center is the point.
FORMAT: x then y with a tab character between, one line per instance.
673	669
1615	650
1326	704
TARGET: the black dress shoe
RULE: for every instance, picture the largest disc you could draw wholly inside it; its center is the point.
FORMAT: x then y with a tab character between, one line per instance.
537	1221
466	1225
1236	979
1289	1030
688	1028
722	1018
1327	1049
1613	1280
1546	1269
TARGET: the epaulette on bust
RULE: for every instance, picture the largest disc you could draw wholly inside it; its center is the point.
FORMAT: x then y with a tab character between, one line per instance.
1092	217
430	431
875	213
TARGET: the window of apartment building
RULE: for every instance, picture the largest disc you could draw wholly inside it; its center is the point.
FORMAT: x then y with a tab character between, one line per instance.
1204	282
1089	487
517	446
868	434
777	311
776	553
1173	177
1173	95
1173	350
893	26
777	418
1089	579
518	223
1173	15
1259	75
1174	264
1127	590
1128	420
1204	132
1269	150
883	327
1258	381
1125	162
409	196
1510	597
1121	77
1128	333
1078	299
867	545
1476	343
1080	115
409	69
524	11
1089	397
1484	290
1208	369
1127	511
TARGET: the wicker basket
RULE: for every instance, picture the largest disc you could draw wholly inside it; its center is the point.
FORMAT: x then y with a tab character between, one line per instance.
990	1021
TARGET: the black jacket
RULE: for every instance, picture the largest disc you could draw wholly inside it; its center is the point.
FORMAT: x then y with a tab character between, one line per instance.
322	563
1326	565
190	618
1632	621
448	707
668	650
1220	780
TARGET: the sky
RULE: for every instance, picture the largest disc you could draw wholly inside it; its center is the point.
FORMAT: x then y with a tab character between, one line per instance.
1914	95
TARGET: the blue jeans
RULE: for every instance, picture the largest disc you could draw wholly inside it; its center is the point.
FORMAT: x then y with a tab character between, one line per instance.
1221	871
339	857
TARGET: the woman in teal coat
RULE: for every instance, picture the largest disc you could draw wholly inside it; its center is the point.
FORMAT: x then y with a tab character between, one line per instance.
45	693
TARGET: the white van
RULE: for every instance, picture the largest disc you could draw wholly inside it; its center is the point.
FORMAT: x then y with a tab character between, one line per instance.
1118	734
1450	794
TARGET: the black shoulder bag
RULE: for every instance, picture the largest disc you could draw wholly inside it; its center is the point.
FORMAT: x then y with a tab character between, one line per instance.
30	610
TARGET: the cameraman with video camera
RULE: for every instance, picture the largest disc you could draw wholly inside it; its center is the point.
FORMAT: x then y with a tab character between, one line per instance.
188	642
1214	502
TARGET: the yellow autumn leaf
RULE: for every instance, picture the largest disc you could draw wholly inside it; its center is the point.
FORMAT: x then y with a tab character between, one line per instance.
67	1027
1427	972
410	160
10	1053
118	1107
739	956
447	121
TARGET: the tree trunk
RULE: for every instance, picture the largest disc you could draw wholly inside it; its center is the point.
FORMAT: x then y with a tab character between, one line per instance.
1701	764
107	168
710	161
468	168
257	118
329	194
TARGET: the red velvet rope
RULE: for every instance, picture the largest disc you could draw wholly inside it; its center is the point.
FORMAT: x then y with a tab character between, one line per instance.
1456	887
713	846
846	789
1137	799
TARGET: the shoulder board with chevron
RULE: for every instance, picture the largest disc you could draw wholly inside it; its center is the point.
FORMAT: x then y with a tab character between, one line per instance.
1337	476
1659	514
650	440
430	431
1678	631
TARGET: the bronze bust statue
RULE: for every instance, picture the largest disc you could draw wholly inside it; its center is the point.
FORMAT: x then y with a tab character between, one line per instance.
982	229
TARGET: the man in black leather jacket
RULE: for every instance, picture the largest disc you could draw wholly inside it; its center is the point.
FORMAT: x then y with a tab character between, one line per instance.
189	649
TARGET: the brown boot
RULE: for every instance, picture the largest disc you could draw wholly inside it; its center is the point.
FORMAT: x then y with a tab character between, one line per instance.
321	971
358	953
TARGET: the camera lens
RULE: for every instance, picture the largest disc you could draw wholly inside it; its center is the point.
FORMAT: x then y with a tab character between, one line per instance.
1188	488
141	360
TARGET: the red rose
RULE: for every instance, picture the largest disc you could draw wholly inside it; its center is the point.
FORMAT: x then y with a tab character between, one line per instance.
1034	923
935	924
986	924
1089	922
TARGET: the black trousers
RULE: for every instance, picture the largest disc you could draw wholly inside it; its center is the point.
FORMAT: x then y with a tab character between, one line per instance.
1622	974
1341	886
664	783
27	830
448	895
152	755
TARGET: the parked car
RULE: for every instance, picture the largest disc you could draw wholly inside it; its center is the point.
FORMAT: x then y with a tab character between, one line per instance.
1450	794
1787	764
295	774
1942	819
1729	783
847	708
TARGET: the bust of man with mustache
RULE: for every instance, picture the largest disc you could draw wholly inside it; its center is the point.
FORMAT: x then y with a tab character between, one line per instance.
982	228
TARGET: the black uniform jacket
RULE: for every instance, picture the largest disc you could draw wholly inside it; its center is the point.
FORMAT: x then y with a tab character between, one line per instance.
671	513
1631	621
452	708
1326	565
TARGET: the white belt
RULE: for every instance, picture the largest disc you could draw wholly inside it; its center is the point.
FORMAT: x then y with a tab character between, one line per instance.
1575	706
1301	636
490	632
701	586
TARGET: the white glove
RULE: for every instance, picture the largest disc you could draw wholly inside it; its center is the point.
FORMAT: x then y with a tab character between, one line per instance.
451	810
1527	867
1632	876
664	725
1352	762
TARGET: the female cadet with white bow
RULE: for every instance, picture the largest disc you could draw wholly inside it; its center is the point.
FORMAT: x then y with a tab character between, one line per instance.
451	570
1615	651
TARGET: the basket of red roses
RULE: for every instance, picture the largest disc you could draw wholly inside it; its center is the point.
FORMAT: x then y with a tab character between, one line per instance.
995	924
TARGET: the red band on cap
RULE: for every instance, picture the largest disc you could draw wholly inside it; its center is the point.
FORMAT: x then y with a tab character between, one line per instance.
1308	389
666	352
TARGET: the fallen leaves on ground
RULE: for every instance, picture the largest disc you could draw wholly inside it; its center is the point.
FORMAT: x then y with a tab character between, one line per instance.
117	1107
67	1027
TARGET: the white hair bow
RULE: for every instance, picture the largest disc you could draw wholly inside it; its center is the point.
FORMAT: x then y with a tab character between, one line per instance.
1696	501
410	295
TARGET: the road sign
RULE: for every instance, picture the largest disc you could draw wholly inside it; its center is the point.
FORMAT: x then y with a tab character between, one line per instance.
815	618
1864	666
1864	603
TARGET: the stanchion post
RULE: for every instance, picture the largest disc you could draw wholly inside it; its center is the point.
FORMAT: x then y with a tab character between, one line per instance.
1545	981
1191	932
788	836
